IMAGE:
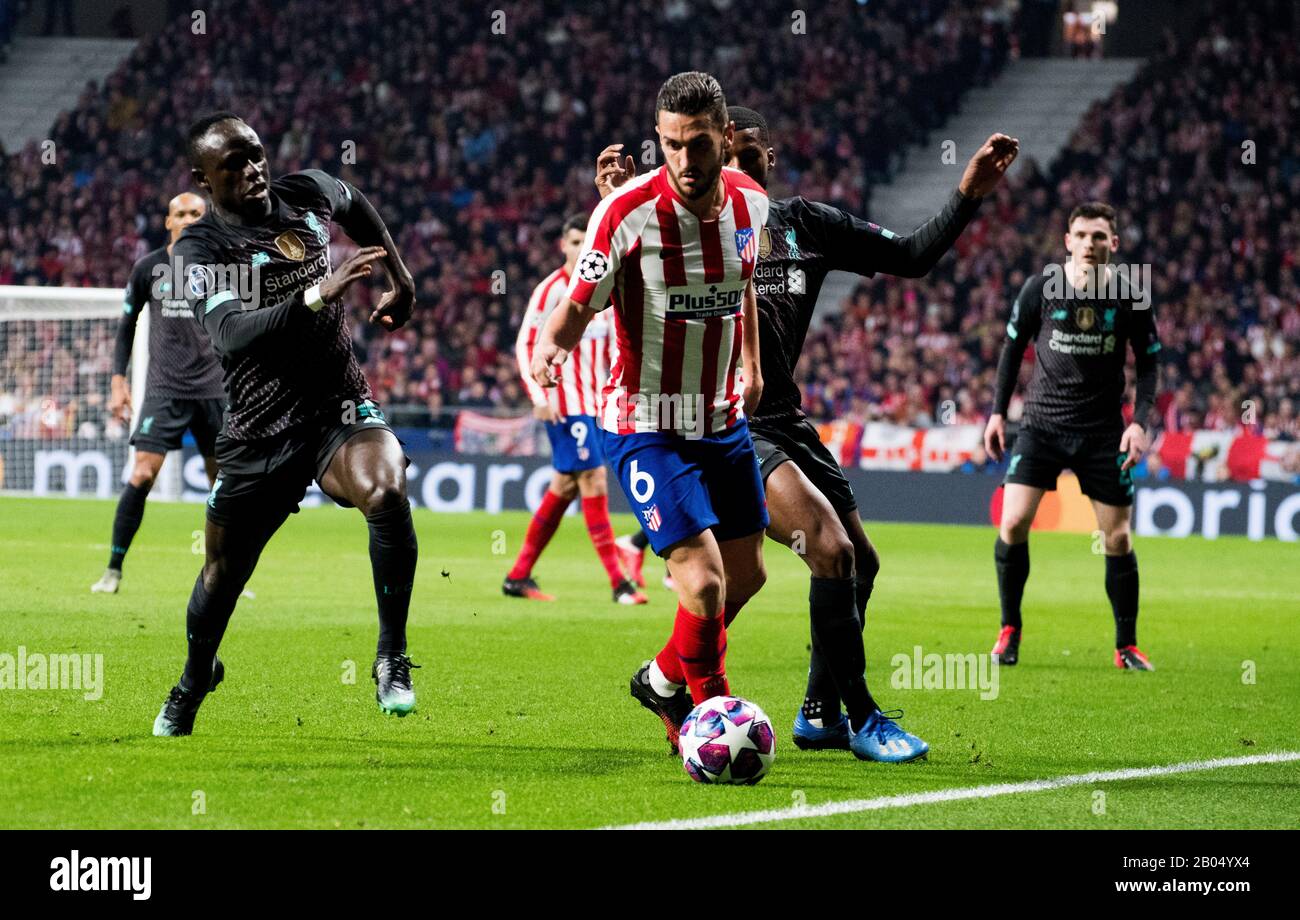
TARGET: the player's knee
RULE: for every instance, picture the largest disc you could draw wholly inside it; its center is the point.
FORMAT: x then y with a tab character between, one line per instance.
384	497
751	584
866	563
1119	542
143	476
831	554
1015	529
704	590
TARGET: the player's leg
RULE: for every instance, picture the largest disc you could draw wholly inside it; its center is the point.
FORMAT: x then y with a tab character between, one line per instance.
161	428
1115	522
368	472
595	512
664	487
127	518
1036	461
519	581
1011	560
803	520
699	629
565	458
631	555
231	550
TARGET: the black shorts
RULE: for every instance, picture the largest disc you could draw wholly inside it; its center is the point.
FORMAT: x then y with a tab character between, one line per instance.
267	478
1039	457
796	440
163	421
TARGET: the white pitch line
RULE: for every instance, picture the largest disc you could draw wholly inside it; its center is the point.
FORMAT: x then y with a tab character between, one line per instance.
854	806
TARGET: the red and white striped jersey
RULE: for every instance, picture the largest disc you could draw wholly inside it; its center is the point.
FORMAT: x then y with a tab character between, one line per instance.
677	283
583	376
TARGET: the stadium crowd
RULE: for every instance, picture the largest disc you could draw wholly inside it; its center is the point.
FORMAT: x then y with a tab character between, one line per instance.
1199	154
474	138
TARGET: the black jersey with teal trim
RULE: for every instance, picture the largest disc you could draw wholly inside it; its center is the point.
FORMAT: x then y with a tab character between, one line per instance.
1077	385
182	364
308	369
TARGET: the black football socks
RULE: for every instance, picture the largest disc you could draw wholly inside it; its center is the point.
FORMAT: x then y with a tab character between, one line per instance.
130	512
838	660
1122	589
393	554
206	620
640	540
1012	561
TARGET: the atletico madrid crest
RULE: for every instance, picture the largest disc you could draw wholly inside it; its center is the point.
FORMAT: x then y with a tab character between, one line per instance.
651	517
746	246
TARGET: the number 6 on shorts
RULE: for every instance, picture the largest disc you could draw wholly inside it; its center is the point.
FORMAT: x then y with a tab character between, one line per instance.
637	481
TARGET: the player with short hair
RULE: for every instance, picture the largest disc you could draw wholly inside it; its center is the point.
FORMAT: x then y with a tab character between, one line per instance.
569	412
258	276
809	499
182	388
676	249
1080	318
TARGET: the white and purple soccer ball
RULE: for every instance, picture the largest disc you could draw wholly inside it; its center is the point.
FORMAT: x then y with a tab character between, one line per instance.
727	740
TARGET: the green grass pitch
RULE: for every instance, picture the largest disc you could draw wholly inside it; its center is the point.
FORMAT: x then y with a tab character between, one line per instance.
525	719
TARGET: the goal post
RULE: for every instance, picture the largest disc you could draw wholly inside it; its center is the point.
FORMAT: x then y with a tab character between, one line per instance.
56	361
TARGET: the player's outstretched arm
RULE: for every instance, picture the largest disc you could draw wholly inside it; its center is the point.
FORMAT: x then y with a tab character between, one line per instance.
366	228
562	333
864	248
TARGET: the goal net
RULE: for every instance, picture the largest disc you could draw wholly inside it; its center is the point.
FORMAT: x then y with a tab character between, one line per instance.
57	436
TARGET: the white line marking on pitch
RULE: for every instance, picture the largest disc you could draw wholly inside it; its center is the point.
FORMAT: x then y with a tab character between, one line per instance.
854	806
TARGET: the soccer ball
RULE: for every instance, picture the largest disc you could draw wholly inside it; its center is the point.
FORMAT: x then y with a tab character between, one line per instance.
727	740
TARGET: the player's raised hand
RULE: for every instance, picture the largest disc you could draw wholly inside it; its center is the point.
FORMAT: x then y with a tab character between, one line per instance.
611	170
355	267
395	306
545	367
995	437
1134	444
989	165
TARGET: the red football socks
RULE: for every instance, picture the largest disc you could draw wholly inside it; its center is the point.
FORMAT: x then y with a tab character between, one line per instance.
595	510
697	640
540	530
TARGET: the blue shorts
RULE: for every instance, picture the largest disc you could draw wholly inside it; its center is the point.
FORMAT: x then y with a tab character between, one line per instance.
680	487
575	444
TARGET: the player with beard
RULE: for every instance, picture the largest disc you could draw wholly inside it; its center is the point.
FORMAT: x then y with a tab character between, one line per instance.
257	274
1080	317
676	249
182	390
809	500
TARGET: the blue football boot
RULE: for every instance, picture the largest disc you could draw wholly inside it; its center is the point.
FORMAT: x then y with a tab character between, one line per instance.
808	737
881	739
